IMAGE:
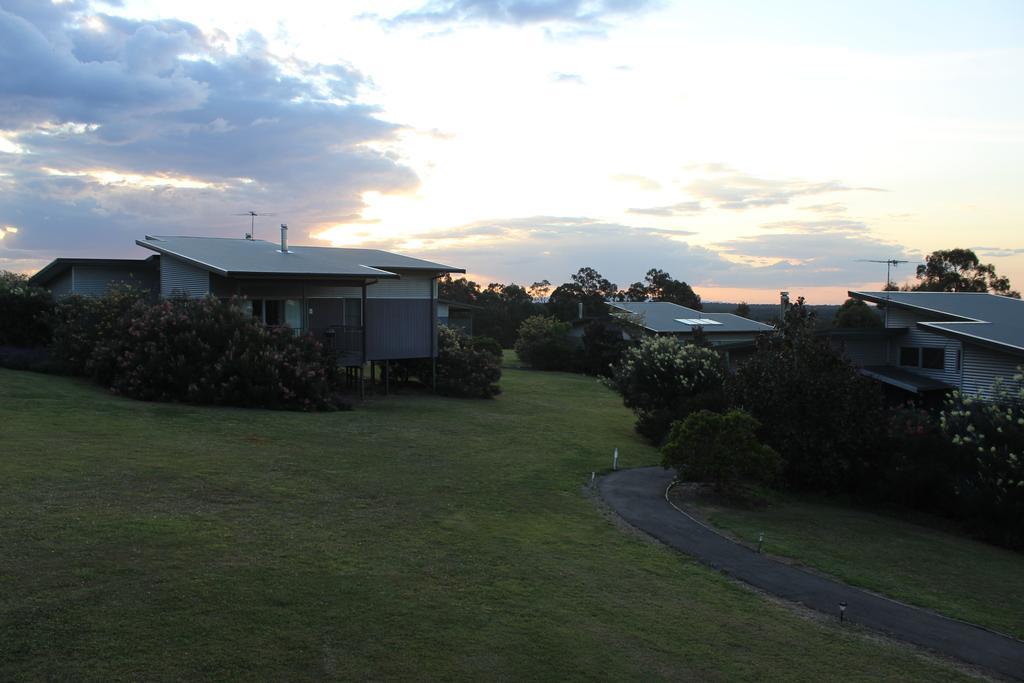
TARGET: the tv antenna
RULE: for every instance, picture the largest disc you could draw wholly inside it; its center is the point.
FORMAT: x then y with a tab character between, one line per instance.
889	265
251	235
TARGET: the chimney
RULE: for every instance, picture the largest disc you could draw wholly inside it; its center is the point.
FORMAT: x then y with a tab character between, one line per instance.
284	238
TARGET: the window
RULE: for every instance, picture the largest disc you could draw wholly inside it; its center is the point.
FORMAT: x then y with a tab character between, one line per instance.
910	356
273	312
933	358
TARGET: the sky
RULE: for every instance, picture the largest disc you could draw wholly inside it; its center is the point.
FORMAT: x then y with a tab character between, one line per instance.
744	147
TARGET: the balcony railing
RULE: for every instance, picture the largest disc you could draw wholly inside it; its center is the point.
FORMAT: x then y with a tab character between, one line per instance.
347	343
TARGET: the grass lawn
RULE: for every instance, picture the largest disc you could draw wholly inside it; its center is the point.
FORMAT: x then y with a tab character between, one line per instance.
414	538
917	564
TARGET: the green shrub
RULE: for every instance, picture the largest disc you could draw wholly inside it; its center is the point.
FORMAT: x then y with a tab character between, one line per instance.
720	449
463	370
194	350
488	344
24	312
543	343
663	379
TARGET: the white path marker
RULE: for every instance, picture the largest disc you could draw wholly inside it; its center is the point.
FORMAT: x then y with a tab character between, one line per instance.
615	460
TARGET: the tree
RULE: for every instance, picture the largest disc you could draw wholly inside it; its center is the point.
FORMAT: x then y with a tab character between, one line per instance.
816	410
720	449
663	379
462	290
856	313
539	290
960	270
502	308
662	287
742	309
602	347
588	287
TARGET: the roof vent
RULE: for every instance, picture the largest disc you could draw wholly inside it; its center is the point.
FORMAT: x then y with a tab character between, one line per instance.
284	238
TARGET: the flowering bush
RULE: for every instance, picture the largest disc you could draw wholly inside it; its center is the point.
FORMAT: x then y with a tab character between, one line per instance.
194	350
463	370
84	327
663	379
992	431
24	312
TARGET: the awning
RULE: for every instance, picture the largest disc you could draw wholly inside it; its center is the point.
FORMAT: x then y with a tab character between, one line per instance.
904	379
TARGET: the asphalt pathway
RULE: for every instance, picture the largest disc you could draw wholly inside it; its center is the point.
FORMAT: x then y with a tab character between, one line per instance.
638	496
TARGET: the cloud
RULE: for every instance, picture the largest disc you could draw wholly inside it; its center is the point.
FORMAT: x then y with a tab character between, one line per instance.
642	182
828	225
834	207
813	260
727	188
578	13
133	126
680	209
996	252
575	79
529	249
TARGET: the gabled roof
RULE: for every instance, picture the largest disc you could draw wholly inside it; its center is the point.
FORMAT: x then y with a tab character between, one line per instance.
662	316
59	266
985	319
259	258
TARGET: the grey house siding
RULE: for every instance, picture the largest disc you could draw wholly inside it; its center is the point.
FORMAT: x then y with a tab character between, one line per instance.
64	284
409	287
178	278
399	328
97	280
863	352
981	368
917	337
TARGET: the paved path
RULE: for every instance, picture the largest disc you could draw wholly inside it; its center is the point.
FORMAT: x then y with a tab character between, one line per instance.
638	496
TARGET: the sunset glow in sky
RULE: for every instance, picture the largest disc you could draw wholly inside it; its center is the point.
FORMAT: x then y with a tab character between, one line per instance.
745	147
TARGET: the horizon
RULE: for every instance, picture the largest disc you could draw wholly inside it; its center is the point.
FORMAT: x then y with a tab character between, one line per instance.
743	149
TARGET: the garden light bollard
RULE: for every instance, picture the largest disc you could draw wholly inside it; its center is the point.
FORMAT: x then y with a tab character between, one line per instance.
842	612
760	541
593	477
615	460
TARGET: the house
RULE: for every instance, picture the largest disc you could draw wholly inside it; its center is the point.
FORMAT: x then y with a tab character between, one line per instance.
934	342
457	315
729	333
369	305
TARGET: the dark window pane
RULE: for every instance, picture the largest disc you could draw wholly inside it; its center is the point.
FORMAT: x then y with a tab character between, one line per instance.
910	355
934	359
273	312
353	312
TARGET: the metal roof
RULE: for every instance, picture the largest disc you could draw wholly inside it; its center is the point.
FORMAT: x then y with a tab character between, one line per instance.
58	266
986	319
664	317
904	379
251	258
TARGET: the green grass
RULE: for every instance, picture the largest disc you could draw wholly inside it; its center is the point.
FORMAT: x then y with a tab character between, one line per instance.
414	538
917	564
